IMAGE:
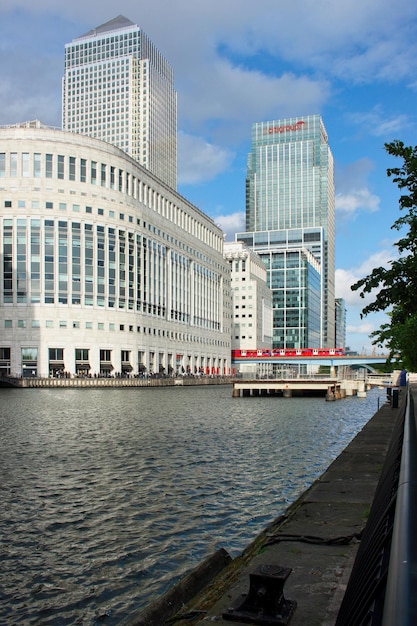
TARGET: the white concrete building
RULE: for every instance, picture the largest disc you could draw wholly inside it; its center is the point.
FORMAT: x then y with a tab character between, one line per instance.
118	87
104	268
251	299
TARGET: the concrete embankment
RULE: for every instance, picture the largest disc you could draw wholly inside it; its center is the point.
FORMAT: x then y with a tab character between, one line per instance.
310	549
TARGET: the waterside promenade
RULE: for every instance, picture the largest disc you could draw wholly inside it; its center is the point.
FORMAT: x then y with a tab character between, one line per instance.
311	549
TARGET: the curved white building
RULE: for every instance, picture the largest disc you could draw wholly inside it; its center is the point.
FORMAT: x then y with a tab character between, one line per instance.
104	268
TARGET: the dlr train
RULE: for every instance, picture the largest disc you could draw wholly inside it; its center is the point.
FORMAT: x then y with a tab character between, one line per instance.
287	352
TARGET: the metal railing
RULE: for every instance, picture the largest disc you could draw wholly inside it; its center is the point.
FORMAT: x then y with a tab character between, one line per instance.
400	606
382	589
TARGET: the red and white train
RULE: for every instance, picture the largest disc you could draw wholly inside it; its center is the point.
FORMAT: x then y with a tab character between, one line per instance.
285	352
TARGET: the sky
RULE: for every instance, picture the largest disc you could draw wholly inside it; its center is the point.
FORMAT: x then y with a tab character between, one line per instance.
238	62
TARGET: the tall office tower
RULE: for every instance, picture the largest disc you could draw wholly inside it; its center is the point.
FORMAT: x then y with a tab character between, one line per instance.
290	224
119	88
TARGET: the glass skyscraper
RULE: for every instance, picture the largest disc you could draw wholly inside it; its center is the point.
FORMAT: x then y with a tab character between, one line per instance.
119	88
290	224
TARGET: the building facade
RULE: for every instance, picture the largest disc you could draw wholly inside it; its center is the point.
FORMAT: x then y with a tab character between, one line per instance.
119	88
340	323
290	224
251	306
251	299
105	269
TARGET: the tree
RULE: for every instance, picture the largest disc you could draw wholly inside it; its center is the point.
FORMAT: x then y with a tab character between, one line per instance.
397	283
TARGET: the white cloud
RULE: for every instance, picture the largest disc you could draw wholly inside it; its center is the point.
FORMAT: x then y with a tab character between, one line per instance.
360	329
353	193
224	100
200	161
231	224
345	278
378	123
213	47
349	204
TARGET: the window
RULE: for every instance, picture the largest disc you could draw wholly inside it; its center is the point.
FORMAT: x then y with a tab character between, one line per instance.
25	165
29	354
37	165
72	168
48	165
93	172
13	164
83	170
81	354
56	354
8	323
60	164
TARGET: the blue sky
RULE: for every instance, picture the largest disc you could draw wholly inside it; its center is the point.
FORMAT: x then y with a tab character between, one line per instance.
238	62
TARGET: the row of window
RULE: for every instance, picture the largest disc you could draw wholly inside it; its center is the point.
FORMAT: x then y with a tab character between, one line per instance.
72	263
62	167
112	327
76	208
29	361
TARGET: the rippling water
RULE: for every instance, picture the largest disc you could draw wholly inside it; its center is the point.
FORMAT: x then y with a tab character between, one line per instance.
109	496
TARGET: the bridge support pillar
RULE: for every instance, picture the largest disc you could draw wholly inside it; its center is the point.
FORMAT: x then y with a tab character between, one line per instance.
287	393
361	389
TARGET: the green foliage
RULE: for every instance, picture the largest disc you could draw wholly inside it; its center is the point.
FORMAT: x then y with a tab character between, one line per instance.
396	284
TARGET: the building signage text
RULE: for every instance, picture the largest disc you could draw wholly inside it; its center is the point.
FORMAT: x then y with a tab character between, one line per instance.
283	129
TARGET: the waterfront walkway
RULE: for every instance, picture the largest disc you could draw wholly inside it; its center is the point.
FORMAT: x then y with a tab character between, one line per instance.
111	383
316	540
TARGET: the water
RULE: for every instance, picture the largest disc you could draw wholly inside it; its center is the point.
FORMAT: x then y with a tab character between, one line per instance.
109	496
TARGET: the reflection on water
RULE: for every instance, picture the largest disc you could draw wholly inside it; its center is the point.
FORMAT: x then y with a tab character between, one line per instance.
109	496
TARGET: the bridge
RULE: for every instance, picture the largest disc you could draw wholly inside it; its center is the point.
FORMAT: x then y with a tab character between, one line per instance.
335	360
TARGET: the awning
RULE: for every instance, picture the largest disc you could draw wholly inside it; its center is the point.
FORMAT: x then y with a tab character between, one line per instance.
106	367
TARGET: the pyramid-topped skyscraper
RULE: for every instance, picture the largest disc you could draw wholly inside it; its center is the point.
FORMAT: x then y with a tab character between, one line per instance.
119	88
